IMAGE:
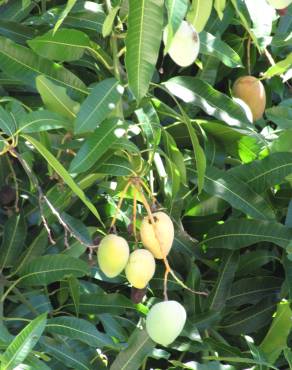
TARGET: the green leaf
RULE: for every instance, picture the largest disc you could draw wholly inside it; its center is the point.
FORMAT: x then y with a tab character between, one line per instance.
211	45
261	30
65	12
62	352
139	346
240	233
280	115
107	303
199	13
219	294
116	166
253	289
23	64
13	240
42	120
61	171
78	329
219	5
109	21
266	173
56	99
98	143
279	68
143	39
275	340
98	105
250	319
7	124
74	290
48	269
237	193
195	91
176	11
23	343
65	45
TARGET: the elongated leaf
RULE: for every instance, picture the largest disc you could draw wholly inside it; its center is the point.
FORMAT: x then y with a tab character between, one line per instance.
219	5
219	294
235	234
65	12
199	13
276	338
13	240
279	67
250	319
97	144
213	46
108	303
139	346
64	45
75	359
7	124
42	120
196	91
109	21
97	106
261	30
145	24
176	11
237	193
280	115
57	166
261	175
116	166
24	65
74	287
251	290
78	329
23	343
56	99
47	269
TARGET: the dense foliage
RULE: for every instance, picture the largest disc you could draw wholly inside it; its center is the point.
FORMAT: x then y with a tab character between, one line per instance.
94	111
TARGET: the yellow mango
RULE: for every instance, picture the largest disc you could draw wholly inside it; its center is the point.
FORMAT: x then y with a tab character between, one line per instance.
165	321
112	255
140	268
159	246
252	92
279	4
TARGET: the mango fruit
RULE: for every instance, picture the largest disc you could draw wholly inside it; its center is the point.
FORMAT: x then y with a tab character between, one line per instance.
140	268
252	92
279	4
165	321
185	45
112	255
159	246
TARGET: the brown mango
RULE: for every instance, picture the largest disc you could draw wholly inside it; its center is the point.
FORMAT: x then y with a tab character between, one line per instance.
252	92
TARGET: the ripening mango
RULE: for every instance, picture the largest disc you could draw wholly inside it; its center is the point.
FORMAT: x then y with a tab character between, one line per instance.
279	4
185	45
112	255
159	246
140	268
165	321
252	92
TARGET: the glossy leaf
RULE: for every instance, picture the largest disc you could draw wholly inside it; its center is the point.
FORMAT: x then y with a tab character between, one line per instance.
64	45
47	269
199	13
42	120
145	24
98	105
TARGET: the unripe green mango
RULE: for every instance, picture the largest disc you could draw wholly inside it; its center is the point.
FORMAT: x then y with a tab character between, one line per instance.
140	268
165	321
185	45
112	255
252	92
279	4
165	233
